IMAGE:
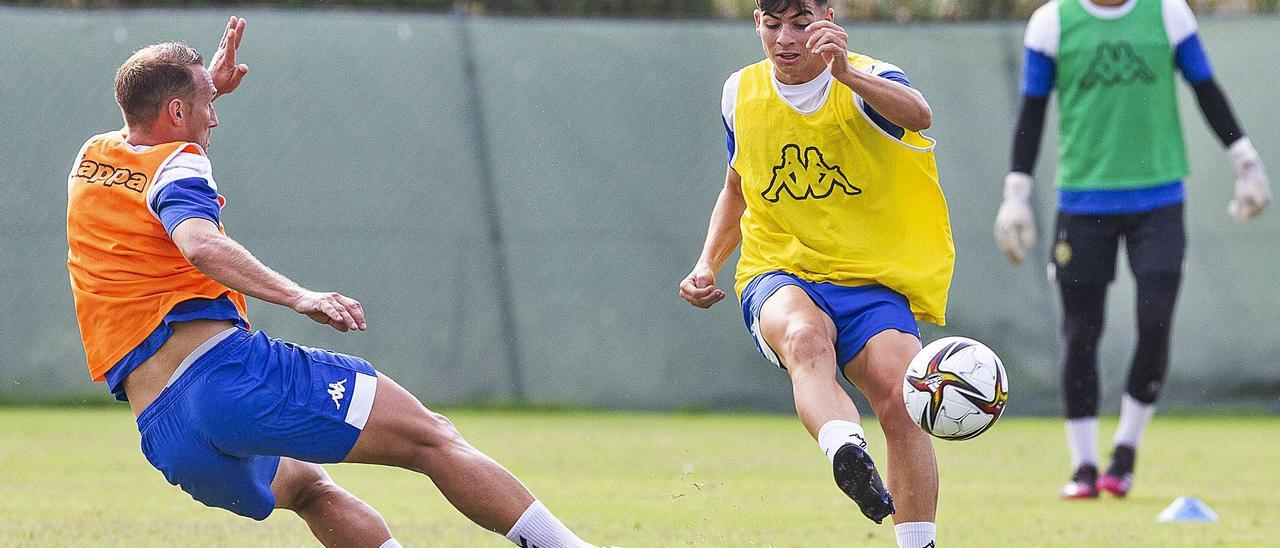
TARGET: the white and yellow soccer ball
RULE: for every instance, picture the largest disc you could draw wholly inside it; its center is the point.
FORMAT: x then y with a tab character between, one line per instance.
955	388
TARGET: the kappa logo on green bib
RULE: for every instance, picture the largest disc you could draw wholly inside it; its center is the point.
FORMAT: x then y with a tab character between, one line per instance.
1114	64
806	176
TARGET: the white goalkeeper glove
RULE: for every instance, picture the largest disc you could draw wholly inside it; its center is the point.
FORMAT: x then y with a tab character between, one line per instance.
1253	190
1015	223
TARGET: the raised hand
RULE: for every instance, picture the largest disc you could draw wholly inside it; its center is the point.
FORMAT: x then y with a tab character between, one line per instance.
223	69
831	42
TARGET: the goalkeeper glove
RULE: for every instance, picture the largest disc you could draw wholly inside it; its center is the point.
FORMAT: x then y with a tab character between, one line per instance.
1015	224
1253	190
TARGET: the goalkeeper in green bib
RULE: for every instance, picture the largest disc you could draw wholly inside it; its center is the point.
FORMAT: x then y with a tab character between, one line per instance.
1121	167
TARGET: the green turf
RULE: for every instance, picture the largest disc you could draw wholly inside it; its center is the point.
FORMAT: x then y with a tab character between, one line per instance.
75	477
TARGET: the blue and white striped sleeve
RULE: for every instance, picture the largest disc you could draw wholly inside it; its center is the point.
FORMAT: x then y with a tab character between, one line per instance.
1188	51
728	100
1040	51
183	190
888	72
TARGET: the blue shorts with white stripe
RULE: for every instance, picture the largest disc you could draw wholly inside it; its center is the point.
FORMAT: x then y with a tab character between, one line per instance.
219	429
858	313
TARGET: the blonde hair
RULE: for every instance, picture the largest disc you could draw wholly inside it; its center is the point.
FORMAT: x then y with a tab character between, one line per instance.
152	76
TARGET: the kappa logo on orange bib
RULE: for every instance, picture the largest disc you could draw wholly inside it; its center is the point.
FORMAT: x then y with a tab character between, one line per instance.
94	173
806	175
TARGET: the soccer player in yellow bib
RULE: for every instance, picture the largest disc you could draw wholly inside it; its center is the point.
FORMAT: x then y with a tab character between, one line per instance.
833	194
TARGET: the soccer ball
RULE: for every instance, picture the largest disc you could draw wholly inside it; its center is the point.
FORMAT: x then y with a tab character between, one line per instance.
955	388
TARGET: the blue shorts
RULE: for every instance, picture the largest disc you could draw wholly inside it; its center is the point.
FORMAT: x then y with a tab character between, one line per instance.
858	313
220	429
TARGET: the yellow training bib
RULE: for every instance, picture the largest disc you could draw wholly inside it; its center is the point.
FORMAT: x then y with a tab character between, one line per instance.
833	198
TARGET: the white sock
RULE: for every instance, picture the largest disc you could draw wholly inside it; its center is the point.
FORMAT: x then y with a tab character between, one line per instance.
537	528
834	434
1082	439
916	534
391	543
1134	416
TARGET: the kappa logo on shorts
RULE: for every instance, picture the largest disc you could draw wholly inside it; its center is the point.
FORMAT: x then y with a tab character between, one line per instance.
93	173
336	390
806	176
1114	64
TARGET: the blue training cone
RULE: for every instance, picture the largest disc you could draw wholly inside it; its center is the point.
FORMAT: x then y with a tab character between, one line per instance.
1187	509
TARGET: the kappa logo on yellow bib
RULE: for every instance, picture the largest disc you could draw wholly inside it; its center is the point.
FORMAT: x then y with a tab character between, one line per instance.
806	175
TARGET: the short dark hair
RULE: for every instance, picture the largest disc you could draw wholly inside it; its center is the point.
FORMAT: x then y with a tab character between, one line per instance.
779	7
152	76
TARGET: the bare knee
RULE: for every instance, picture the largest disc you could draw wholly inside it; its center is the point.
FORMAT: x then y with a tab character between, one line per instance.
305	485
894	420
435	437
807	349
881	382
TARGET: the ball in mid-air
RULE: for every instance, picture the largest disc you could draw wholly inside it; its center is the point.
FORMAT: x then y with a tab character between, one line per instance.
955	388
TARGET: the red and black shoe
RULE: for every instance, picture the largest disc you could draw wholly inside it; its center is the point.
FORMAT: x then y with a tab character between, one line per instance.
1119	477
856	475
1083	484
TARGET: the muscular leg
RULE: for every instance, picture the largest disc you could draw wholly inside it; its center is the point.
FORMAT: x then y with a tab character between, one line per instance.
336	517
877	371
402	432
804	338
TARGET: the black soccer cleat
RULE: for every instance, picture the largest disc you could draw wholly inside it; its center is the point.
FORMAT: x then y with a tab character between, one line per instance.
856	475
1083	484
1119	477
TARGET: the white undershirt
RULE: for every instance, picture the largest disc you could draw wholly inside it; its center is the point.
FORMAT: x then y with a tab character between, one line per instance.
806	97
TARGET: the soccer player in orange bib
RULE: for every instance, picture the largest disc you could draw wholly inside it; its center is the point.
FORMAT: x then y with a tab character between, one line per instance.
235	418
833	194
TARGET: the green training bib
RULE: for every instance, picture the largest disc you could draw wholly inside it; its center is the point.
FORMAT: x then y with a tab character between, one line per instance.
1117	102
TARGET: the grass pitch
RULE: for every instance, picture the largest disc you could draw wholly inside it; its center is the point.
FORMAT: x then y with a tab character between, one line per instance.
75	477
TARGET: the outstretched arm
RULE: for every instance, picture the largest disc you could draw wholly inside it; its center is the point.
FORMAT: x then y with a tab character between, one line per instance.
229	263
723	235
